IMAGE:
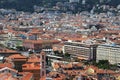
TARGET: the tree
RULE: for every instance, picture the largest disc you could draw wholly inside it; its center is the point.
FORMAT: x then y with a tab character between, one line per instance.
56	52
104	64
20	48
66	55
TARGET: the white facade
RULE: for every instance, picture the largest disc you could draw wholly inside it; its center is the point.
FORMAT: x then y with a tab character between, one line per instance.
73	1
80	50
108	52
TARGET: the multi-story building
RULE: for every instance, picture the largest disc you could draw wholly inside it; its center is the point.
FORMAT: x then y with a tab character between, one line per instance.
39	44
108	52
87	52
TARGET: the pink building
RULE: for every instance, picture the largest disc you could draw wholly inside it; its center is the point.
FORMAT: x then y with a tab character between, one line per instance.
39	44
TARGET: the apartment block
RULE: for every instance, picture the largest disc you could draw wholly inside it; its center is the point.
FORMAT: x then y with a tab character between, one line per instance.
110	52
85	51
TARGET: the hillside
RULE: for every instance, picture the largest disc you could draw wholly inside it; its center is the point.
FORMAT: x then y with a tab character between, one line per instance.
27	5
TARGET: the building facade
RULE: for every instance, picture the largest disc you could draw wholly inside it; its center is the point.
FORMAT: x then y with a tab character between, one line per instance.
108	52
87	52
39	44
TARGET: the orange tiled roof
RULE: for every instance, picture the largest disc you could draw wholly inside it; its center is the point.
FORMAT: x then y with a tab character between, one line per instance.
73	72
19	56
27	75
7	51
2	65
31	66
42	41
78	64
105	71
7	76
57	47
111	32
34	59
67	65
36	31
56	76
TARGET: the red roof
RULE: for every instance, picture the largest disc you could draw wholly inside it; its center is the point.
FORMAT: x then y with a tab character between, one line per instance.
31	66
2	65
15	56
34	59
41	41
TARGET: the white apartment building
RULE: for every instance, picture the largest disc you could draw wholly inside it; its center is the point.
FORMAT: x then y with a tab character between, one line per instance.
108	52
88	52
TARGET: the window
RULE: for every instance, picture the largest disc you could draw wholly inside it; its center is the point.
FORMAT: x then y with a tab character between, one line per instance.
43	57
43	65
43	73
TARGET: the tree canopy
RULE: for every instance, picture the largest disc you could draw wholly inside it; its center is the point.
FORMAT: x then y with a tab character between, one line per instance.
27	5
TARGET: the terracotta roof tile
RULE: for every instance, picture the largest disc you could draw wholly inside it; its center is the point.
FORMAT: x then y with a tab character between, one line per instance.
19	56
31	66
2	65
7	51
